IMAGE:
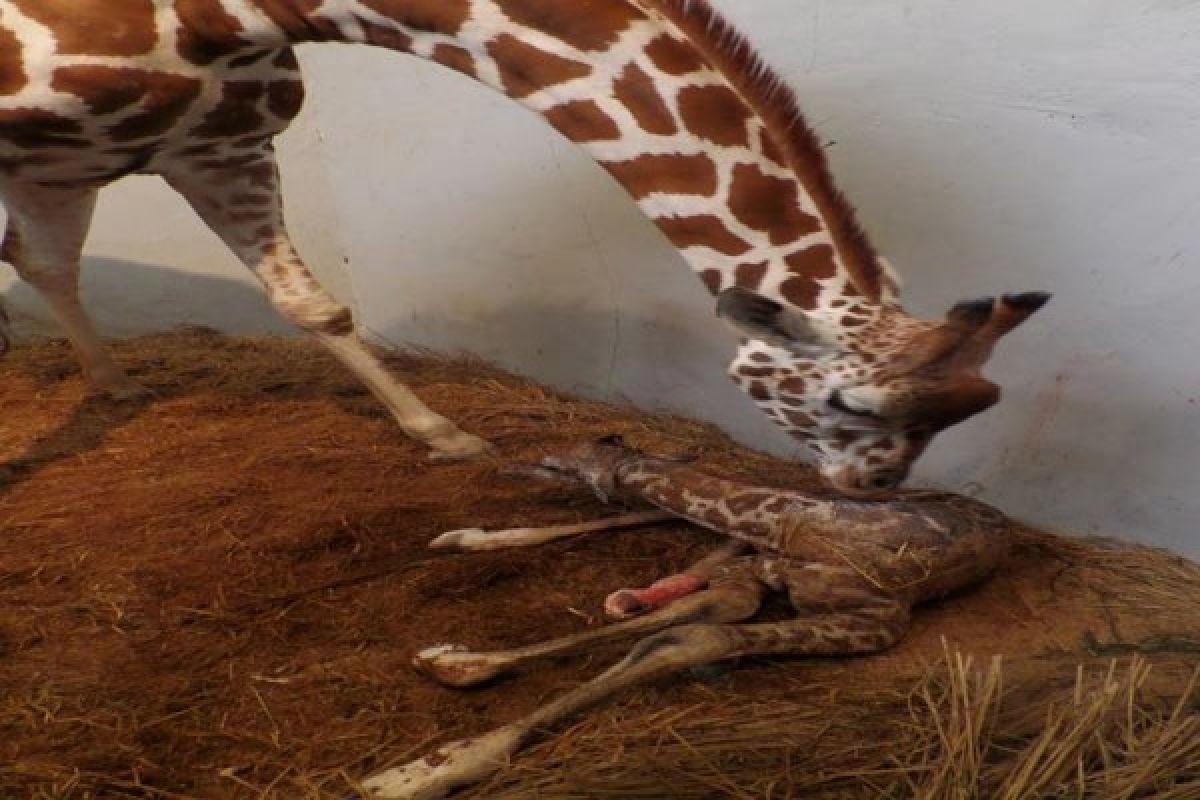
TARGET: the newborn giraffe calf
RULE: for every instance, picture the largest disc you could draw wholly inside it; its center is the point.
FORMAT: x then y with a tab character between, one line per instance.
853	569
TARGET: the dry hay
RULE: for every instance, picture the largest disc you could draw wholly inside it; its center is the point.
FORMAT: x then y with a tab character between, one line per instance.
216	594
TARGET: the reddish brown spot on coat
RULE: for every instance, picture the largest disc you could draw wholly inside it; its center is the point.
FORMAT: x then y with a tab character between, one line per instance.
816	262
207	32
456	58
801	290
524	69
102	89
96	27
674	57
715	113
770	149
637	92
799	419
438	16
285	98
712	280
760	358
296	19
32	128
164	99
583	121
705	231
249	59
758	390
749	276
12	71
237	113
387	38
672	174
585	24
770	205
793	385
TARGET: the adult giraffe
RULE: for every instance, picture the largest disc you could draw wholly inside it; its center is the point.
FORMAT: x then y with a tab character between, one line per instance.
662	93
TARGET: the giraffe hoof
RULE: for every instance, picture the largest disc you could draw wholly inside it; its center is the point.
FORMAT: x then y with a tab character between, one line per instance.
461	541
455	666
624	604
458	446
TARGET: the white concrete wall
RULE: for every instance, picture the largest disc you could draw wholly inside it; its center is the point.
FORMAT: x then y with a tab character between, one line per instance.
990	147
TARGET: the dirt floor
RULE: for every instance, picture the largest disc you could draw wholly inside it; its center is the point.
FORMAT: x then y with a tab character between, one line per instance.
216	592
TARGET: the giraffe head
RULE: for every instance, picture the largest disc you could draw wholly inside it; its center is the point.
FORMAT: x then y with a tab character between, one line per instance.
867	404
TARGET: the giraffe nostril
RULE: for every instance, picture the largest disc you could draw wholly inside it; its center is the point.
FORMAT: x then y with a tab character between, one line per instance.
886	479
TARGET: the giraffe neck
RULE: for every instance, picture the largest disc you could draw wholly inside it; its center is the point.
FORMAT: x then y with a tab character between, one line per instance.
661	93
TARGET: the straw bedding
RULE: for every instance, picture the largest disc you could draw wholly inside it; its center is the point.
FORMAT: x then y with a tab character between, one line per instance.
216	592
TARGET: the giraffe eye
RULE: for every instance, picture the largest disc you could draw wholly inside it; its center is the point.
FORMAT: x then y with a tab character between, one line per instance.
836	401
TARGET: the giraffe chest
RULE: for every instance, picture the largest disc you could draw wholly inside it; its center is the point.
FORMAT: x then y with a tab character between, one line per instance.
72	120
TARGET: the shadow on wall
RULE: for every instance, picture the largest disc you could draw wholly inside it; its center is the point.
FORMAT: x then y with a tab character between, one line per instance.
658	358
127	298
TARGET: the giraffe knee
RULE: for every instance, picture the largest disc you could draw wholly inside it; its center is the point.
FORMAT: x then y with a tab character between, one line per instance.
316	312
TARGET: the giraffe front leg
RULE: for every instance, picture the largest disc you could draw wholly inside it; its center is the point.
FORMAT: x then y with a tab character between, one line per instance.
242	205
478	540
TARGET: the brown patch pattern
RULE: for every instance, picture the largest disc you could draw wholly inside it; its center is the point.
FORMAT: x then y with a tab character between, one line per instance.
525	69
637	91
207	32
456	58
769	149
285	98
12	70
387	38
296	19
583	121
770	205
801	290
438	16
96	27
674	57
712	279
31	128
102	89
749	276
706	231
585	24
672	174
164	99
816	262
237	114
717	114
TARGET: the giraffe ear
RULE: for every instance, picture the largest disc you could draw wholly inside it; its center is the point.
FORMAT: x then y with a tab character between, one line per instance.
768	321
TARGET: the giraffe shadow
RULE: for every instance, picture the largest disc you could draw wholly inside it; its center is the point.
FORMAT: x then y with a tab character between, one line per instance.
125	298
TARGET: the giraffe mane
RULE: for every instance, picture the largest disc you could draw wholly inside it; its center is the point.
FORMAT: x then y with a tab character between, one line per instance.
770	96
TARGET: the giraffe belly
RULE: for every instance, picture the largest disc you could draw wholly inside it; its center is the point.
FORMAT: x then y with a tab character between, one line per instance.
84	124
